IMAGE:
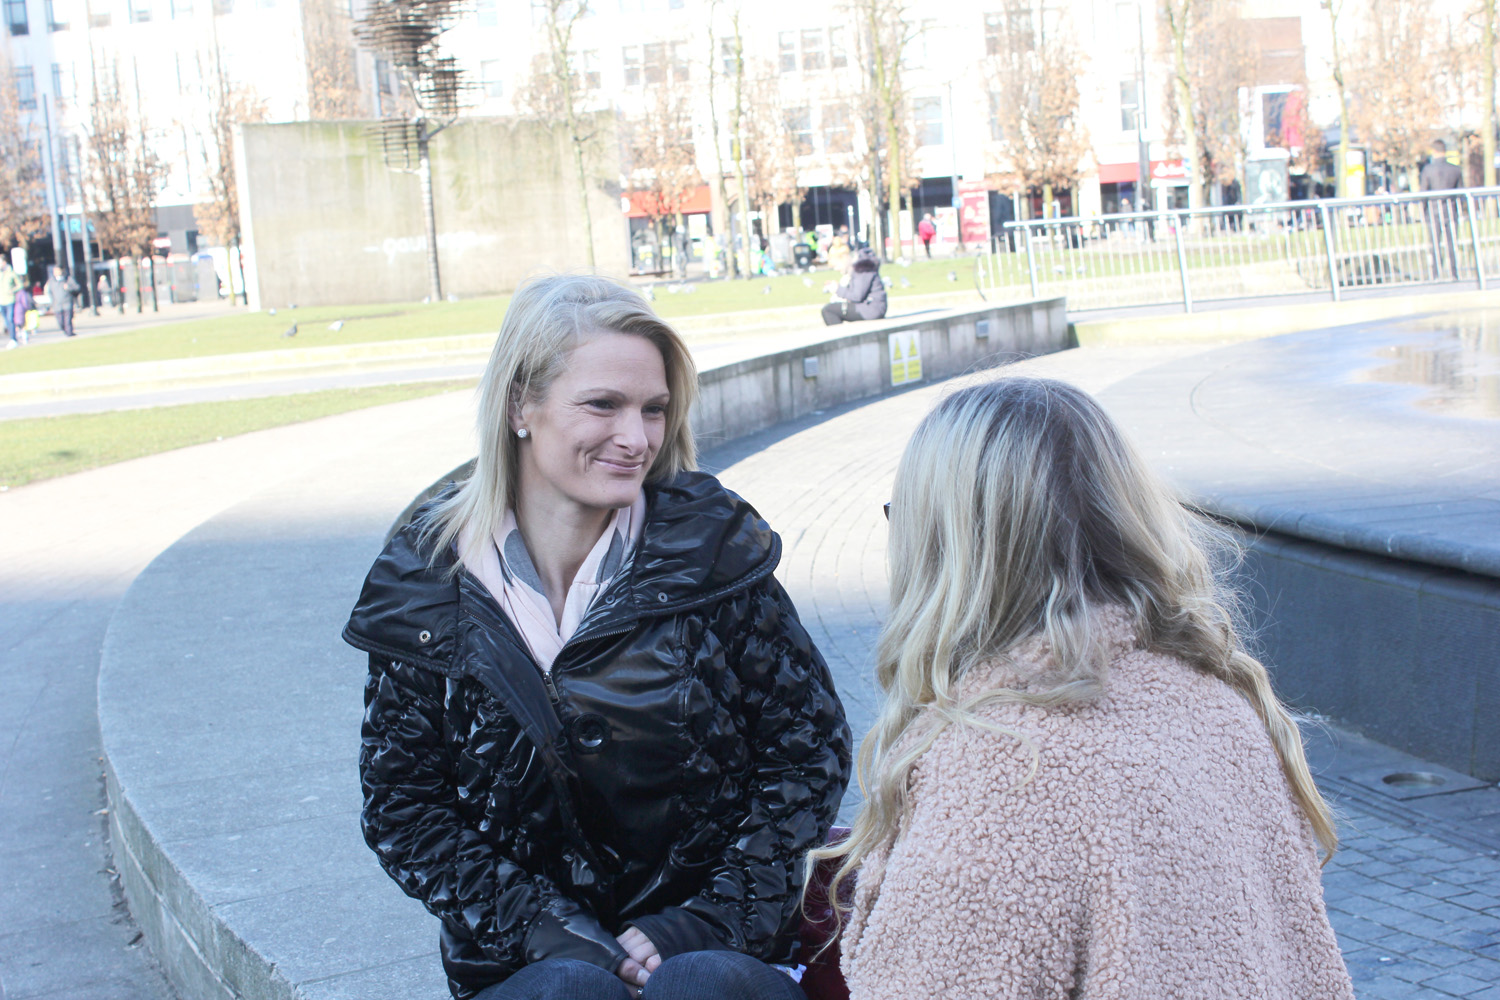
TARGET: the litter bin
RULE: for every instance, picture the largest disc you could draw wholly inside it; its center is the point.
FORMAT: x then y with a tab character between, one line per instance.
802	255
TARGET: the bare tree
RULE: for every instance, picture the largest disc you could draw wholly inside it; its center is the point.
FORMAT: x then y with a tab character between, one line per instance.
1034	80
774	136
124	176
886	32
1335	9
1487	16
1179	19
333	90
737	124
720	50
557	93
23	206
1398	109
229	106
660	160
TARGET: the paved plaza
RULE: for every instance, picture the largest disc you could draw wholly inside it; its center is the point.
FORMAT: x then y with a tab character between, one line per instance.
1414	894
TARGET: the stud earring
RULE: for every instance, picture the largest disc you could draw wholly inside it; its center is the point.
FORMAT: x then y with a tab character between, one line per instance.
523	433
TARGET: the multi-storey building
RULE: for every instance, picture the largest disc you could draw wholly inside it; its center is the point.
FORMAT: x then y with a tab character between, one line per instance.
808	66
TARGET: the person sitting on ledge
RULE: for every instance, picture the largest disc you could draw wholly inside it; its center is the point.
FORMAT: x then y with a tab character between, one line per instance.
1080	784
861	296
597	740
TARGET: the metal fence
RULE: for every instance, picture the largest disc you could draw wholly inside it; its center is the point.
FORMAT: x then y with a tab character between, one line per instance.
1247	251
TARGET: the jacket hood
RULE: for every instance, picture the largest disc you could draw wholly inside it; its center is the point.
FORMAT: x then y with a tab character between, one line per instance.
866	260
700	543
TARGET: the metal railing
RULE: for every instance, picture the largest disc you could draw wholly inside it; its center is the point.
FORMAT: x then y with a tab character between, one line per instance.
1248	251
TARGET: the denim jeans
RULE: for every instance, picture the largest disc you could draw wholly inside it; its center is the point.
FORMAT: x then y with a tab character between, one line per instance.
7	313
697	975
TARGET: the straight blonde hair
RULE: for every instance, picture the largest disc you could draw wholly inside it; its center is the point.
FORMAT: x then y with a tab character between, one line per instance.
546	317
1020	510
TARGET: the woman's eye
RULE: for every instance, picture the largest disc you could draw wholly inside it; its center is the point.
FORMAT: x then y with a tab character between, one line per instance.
655	410
601	404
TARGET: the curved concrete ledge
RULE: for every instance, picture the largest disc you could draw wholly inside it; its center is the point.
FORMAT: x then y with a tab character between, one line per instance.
230	710
1374	564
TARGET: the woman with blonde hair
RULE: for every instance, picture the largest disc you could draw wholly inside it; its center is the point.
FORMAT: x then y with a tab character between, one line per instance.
597	740
1080	784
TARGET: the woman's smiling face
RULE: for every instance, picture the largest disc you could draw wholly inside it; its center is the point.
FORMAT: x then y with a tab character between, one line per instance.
594	436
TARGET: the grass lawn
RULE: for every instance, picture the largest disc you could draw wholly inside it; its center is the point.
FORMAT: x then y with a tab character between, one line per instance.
56	446
242	332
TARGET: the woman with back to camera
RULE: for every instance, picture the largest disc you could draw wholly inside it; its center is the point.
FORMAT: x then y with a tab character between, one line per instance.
1080	784
597	740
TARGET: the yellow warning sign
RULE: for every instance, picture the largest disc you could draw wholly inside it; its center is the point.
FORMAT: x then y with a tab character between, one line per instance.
906	357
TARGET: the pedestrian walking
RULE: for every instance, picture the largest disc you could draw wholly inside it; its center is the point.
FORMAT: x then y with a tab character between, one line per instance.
10	284
597	739
1080	783
61	289
23	314
926	229
1441	214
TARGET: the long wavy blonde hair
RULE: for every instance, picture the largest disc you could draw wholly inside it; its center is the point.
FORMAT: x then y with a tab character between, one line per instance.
542	324
1020	510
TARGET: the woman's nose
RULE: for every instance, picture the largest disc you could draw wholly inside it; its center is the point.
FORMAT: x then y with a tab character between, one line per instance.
630	431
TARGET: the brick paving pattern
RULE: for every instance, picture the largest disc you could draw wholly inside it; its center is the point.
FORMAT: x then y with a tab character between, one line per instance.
1417	915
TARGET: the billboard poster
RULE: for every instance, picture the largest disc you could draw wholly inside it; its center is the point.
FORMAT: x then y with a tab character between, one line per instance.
974	212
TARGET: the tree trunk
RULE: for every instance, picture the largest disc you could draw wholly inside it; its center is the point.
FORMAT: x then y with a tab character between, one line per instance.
1490	121
893	149
722	226
1181	91
742	196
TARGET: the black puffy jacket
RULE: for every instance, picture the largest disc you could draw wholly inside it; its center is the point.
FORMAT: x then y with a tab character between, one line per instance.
701	750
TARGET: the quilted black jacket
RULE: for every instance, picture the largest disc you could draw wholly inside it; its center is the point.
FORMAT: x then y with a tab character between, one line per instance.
697	748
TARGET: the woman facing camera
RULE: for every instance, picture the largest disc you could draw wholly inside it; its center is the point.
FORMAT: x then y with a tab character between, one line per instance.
597	740
1081	784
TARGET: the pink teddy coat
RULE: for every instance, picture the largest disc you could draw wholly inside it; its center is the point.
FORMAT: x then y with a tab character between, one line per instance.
1156	854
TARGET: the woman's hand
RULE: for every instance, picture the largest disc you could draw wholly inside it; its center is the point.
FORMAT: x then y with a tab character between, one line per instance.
643	959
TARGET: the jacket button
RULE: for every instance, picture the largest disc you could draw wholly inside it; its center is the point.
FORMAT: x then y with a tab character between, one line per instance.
661	597
590	733
424	637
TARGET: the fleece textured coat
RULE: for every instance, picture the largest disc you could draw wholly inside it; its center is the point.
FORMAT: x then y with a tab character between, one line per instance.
1157	852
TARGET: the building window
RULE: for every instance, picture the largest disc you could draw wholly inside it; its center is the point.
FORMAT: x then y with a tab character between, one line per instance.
62	82
182	8
588	69
726	55
654	63
1130	105
15	17
812	50
99	19
836	133
223	6
838	53
265	4
799	126
25	79
140	11
997	130
927	116
994	34
632	59
787	43
490	73
487	14
383	76
680	62
53	23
